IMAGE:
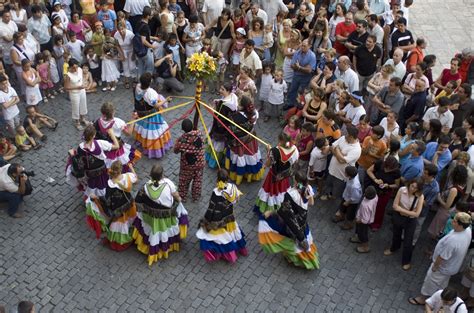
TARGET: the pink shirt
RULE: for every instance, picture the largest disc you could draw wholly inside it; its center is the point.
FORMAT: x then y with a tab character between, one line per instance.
366	212
77	29
291	132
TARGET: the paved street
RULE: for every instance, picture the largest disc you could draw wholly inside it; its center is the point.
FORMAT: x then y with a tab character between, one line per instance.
52	258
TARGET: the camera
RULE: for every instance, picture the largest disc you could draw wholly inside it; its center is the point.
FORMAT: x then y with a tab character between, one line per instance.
28	173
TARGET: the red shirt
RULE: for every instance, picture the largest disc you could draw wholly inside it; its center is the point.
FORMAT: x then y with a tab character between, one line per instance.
343	30
447	76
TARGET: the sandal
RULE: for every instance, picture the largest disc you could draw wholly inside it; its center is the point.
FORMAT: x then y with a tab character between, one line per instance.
415	301
79	126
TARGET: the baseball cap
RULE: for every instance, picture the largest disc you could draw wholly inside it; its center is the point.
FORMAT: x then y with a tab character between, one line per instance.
241	31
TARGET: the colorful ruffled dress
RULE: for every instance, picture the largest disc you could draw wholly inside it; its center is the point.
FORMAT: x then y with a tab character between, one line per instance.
161	222
270	196
126	153
218	133
114	213
152	133
86	168
287	231
219	234
243	162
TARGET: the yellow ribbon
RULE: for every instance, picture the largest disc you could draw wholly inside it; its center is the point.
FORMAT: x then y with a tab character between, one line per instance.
160	112
233	123
207	135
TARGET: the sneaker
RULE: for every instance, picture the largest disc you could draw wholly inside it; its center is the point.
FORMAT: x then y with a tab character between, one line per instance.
363	249
387	252
112	89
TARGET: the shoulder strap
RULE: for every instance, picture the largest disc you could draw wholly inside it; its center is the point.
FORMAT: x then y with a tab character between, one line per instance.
222	31
413	203
17	48
457	307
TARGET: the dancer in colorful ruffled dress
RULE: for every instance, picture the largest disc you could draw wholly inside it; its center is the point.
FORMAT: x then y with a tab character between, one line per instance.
219	234
152	133
286	229
226	105
280	160
244	163
86	166
162	220
114	213
109	123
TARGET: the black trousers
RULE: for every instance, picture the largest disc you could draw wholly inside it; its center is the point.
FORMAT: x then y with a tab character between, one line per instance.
350	210
362	231
406	226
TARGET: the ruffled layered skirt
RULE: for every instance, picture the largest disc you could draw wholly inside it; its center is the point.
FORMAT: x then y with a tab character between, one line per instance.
154	136
157	237
271	194
222	243
118	231
243	164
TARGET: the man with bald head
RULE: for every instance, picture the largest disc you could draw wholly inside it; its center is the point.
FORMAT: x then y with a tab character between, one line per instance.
397	63
347	74
303	64
414	107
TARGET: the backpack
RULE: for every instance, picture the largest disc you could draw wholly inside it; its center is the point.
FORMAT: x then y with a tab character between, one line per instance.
139	48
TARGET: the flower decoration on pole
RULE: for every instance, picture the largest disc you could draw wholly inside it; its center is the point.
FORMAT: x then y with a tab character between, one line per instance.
201	66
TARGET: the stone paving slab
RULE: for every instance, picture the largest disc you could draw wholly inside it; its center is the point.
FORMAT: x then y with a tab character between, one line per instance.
51	258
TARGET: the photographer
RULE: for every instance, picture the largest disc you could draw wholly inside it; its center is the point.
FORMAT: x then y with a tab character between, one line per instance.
166	69
13	186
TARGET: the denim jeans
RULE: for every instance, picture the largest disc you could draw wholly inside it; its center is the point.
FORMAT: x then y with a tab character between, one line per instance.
13	198
299	81
145	64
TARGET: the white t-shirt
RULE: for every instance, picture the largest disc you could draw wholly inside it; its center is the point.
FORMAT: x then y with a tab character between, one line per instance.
125	43
75	48
213	8
452	248
400	68
11	112
350	78
6	182
318	160
135	7
436	304
7	30
252	61
387	134
351	153
123	181
446	119
277	92
354	113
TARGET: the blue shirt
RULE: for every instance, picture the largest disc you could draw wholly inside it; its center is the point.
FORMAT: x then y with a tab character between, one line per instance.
107	18
353	191
304	59
412	168
430	192
443	159
404	142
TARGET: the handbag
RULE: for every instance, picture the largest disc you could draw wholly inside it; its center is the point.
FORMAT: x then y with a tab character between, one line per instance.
215	40
87	34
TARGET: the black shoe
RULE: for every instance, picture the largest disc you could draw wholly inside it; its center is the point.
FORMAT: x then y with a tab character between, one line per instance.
55	126
44	138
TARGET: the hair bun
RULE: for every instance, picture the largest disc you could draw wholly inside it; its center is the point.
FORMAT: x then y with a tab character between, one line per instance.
287	144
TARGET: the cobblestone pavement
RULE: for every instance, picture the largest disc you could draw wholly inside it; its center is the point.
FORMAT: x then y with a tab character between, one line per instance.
51	258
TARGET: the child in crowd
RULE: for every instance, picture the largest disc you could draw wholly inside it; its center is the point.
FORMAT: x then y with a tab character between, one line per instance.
265	84
352	196
7	150
58	11
110	72
159	46
32	81
221	67
34	121
237	47
172	44
58	53
75	47
107	16
89	83
23	141
276	96
93	61
58	29
293	128
53	70
67	57
267	41
46	84
206	46
364	217
239	20
318	162
365	130
304	143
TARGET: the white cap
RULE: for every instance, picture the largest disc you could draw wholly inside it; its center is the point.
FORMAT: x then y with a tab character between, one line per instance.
241	31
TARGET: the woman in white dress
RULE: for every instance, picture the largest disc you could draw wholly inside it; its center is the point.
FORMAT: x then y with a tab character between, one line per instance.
193	35
124	38
289	49
18	13
73	83
32	80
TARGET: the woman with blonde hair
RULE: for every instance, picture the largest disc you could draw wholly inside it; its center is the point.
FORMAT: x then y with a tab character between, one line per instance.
284	34
289	49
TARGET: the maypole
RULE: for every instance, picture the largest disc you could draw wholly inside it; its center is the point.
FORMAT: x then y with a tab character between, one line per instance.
202	67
